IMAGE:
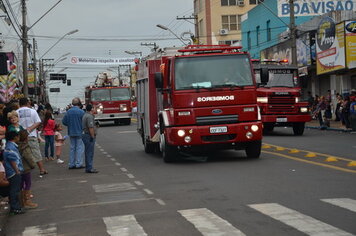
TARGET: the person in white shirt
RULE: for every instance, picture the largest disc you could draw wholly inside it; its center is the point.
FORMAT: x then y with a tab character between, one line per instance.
30	121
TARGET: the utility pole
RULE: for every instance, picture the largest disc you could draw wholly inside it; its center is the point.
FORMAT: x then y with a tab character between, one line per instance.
293	35
35	69
24	48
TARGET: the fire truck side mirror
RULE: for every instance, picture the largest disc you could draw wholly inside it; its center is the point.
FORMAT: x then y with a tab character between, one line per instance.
264	75
159	80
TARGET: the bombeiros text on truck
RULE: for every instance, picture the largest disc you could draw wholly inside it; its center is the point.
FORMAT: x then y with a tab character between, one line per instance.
279	95
196	99
110	98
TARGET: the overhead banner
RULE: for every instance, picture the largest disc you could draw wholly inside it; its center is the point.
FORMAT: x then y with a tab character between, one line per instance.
314	7
350	34
330	46
101	61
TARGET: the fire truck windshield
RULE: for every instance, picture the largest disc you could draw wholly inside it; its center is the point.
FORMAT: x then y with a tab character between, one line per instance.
280	78
112	94
212	72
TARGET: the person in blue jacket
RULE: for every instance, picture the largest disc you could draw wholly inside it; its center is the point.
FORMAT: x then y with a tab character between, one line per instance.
73	120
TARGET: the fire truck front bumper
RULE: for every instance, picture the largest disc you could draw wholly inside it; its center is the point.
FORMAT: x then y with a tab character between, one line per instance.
227	135
285	120
112	116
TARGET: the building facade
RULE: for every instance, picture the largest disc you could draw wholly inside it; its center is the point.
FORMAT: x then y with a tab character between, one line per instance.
219	21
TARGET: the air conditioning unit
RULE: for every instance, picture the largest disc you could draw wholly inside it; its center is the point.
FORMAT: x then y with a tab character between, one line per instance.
241	3
224	31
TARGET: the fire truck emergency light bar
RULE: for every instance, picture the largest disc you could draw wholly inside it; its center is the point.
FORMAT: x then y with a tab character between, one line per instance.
209	48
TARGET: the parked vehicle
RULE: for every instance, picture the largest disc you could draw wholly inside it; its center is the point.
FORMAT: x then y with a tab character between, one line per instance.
279	96
197	99
112	101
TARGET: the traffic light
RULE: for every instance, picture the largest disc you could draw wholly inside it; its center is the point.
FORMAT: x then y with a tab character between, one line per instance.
69	82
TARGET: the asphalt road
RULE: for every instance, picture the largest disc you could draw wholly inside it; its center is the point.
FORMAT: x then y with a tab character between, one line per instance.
285	192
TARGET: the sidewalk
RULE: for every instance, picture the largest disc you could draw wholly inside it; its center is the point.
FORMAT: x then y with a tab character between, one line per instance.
334	126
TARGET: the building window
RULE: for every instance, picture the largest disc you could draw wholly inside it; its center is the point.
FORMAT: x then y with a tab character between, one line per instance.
201	28
239	22
268	30
249	40
254	2
229	22
257	35
228	2
228	42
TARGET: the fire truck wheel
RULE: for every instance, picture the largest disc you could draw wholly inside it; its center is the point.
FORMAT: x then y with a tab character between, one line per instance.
168	152
298	128
253	149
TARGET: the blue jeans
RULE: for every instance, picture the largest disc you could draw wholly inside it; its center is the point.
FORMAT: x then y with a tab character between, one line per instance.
49	144
76	151
14	193
89	151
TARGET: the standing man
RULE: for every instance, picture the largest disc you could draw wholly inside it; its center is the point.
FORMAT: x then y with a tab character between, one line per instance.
30	121
73	120
89	134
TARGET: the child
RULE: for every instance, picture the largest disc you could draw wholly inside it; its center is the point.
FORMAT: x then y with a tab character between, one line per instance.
13	169
28	164
13	118
59	141
48	132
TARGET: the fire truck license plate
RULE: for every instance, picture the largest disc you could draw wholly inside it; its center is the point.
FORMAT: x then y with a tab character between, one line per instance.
281	120
216	130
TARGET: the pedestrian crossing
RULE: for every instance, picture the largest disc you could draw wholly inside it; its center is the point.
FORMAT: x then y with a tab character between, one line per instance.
208	223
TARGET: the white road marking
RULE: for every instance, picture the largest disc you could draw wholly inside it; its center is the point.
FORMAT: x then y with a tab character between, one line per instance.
44	230
131	176
105	153
301	222
101	149
117	163
123	226
208	223
113	159
108	155
149	192
126	132
161	202
346	203
123	169
102	188
138	183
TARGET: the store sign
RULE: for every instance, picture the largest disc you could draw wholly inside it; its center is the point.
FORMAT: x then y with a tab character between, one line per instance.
314	7
350	34
330	46
101	61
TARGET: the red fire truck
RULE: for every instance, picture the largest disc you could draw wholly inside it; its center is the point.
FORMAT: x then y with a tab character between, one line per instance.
197	99
279	96
112	102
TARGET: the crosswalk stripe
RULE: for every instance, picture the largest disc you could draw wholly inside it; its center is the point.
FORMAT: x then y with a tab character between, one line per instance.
47	230
209	224
102	188
123	226
346	203
301	222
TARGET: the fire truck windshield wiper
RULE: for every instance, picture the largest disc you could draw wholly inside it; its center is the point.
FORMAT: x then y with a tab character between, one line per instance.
231	86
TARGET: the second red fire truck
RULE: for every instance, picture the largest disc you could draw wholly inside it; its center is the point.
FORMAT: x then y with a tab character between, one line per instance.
197	99
279	96
111	100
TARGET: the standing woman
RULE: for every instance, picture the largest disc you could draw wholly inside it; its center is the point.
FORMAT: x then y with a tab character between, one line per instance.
48	133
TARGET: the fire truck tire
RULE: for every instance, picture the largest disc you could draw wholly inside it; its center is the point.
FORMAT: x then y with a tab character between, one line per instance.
128	121
268	127
169	154
253	149
298	128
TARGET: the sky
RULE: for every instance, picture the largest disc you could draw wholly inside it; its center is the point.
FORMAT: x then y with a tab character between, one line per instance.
106	28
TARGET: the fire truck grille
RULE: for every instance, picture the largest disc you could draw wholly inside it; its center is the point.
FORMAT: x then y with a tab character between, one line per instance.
218	138
281	104
215	120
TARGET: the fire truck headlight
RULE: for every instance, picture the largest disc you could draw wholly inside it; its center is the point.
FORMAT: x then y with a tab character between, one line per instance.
123	107
181	133
262	99
304	109
249	109
187	139
297	99
254	128
249	135
184	113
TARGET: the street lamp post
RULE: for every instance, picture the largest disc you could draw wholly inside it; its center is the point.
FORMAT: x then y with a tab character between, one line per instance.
134	53
166	28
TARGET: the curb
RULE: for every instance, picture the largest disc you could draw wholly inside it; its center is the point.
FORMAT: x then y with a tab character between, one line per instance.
4	214
329	128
